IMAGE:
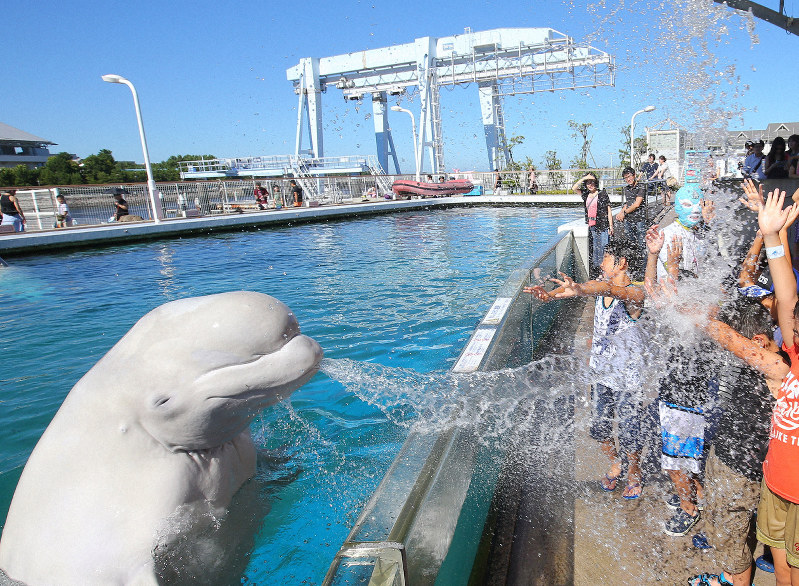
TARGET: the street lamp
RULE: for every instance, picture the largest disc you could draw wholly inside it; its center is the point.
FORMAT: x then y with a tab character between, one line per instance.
632	130
157	213
415	147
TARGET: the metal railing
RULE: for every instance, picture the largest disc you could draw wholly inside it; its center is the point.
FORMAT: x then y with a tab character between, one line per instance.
93	205
427	517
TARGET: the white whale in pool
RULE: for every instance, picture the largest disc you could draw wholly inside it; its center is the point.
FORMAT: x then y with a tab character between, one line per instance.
152	439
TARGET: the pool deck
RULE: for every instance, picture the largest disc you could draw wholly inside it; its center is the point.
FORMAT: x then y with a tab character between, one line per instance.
58	240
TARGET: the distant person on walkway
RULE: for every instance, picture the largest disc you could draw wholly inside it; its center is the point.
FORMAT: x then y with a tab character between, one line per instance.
260	197
277	195
531	178
663	174
12	212
633	214
776	162
497	180
598	217
296	192
63	217
120	207
753	164
649	168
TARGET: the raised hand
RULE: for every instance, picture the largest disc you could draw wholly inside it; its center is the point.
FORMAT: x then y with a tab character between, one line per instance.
674	250
654	239
754	195
771	217
708	210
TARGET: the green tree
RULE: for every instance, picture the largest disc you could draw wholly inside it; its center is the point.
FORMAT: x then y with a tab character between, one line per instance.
581	132
60	169
640	147
553	164
102	168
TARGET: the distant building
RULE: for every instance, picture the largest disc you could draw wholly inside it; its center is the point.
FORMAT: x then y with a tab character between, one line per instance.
18	147
737	138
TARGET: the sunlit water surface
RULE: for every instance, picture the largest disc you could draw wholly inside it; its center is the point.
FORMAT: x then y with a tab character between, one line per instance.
402	290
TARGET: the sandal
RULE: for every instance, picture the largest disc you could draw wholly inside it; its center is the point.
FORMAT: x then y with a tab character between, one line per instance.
609	483
704	580
633	491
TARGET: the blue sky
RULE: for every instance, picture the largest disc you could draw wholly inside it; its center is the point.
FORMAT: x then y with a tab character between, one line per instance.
211	76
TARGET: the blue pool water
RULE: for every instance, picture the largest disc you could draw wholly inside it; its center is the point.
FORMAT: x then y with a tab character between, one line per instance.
402	290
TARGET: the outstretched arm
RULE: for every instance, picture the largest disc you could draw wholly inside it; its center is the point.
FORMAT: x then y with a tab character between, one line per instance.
770	364
771	218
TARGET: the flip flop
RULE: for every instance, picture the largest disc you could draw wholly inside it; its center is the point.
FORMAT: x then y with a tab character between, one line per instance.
609	483
630	487
704	580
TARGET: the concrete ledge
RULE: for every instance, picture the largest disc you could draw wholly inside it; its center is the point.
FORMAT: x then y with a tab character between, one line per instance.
77	237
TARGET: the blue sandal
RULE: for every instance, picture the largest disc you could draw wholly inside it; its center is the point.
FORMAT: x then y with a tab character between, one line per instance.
704	580
609	483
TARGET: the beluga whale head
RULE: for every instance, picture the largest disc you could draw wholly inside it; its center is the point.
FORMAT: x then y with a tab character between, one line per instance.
207	365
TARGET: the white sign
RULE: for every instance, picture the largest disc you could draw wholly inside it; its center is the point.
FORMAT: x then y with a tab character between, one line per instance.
473	355
497	311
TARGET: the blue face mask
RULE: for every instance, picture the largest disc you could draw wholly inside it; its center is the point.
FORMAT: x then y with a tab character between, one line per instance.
687	206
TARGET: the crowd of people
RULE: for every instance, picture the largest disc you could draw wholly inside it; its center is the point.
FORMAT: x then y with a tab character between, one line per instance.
780	162
720	329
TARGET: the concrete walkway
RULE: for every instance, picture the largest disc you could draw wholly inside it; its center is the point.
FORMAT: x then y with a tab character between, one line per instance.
115	233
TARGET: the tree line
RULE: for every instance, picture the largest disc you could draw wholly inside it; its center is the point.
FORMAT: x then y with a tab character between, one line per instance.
62	169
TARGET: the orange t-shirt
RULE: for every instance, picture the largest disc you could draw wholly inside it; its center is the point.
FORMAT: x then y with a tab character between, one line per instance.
781	466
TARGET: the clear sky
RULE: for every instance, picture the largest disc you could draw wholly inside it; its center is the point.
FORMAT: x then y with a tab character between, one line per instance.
211	76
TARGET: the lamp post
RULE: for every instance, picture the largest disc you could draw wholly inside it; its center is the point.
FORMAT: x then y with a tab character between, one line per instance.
632	131
415	147
157	213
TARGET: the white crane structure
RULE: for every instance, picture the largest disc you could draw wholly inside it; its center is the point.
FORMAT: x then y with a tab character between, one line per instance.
500	62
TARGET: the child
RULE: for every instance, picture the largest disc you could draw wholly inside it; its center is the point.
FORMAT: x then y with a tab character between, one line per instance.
778	511
682	394
63	218
733	469
616	361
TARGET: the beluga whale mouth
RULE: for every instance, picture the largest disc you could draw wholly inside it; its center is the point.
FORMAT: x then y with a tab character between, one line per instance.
157	428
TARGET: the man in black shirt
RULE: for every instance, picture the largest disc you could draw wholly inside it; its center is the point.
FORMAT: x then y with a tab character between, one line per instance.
633	214
296	192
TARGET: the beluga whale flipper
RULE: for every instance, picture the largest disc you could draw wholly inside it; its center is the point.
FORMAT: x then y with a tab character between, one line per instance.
155	435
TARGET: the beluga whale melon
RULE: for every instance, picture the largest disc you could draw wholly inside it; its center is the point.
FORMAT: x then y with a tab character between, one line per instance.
152	439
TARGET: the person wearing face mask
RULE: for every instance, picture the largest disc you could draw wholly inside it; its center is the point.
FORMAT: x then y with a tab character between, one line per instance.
690	209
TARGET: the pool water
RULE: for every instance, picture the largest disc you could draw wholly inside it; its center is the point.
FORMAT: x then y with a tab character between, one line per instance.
402	290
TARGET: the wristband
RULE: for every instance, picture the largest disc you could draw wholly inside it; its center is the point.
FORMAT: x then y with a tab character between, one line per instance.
775	251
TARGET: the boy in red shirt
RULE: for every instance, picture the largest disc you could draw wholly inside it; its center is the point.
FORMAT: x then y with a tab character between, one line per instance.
778	511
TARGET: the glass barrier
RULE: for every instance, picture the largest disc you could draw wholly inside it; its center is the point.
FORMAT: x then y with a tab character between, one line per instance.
426	521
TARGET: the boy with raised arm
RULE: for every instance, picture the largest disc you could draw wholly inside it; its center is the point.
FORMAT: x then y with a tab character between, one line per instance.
616	362
778	511
733	469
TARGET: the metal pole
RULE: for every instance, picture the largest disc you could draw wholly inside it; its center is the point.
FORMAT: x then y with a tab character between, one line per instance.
632	132
156	206
416	158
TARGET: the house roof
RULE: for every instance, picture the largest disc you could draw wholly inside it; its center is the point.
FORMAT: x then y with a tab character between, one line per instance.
9	133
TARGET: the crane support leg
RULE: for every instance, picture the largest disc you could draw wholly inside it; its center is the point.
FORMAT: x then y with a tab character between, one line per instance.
383	138
311	107
493	124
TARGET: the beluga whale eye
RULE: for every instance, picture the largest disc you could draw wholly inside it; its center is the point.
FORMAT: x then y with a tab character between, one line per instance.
160	401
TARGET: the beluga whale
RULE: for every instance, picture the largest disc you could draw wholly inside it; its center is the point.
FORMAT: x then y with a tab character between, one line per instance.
154	438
